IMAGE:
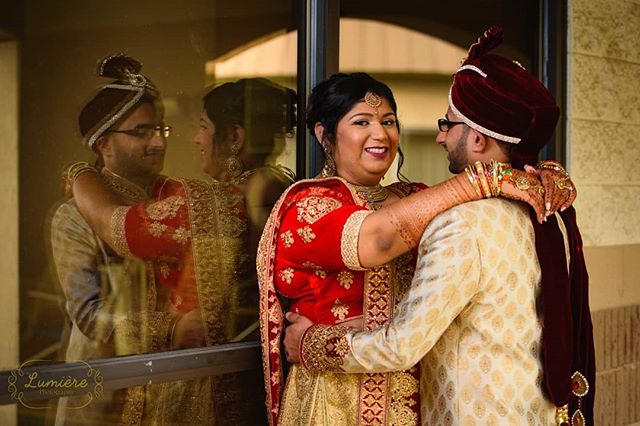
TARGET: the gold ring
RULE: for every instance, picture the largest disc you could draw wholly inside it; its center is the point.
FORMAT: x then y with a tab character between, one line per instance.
562	184
523	184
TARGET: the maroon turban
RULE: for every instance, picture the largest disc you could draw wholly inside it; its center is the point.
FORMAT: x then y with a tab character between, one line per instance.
499	98
115	99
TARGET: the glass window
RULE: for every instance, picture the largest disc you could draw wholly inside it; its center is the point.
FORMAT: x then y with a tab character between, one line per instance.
193	133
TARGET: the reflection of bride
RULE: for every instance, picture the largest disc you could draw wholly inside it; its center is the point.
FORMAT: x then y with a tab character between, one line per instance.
202	239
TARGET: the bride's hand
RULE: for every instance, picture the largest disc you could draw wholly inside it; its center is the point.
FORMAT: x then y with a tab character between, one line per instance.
559	190
523	186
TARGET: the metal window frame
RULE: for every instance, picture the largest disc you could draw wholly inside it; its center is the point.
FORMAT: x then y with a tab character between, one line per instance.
318	48
139	370
551	55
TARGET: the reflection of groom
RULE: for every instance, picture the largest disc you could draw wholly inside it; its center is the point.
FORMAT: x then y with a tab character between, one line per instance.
120	124
470	317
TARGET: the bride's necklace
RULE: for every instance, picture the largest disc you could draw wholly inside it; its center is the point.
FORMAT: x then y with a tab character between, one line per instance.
373	194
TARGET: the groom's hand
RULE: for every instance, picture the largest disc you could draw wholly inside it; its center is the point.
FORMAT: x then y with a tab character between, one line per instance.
293	335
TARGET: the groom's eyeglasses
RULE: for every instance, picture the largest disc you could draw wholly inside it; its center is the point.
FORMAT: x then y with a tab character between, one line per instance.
444	125
146	131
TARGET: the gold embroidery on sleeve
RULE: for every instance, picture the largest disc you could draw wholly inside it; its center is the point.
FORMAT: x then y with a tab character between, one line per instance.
287	238
181	235
324	347
322	274
339	310
306	233
349	239
286	275
312	209
345	278
311	265
157	228
167	208
118	233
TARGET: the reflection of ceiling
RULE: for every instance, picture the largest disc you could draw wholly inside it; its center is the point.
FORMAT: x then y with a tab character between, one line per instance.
365	45
227	24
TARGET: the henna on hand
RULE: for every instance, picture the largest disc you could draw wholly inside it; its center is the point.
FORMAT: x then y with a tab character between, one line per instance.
560	191
526	187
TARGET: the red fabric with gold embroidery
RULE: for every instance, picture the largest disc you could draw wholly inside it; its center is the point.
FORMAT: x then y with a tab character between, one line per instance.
300	257
309	268
161	231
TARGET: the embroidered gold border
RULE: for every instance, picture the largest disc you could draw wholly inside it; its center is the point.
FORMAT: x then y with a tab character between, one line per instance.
271	314
378	307
349	239
118	234
324	347
216	229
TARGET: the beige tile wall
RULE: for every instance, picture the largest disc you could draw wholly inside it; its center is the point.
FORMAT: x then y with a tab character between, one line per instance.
614	275
604	158
604	118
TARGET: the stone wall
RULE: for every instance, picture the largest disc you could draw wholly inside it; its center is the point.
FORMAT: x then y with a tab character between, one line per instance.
603	158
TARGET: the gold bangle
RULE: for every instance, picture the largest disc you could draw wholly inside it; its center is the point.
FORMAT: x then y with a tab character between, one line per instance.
492	175
76	169
552	165
472	178
482	177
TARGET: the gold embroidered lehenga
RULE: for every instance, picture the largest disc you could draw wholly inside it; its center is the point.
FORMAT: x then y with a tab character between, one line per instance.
195	240
308	255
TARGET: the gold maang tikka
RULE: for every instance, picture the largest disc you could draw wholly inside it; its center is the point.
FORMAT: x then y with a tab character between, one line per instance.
373	100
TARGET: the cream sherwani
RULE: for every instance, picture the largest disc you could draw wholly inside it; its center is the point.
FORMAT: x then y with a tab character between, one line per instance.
469	319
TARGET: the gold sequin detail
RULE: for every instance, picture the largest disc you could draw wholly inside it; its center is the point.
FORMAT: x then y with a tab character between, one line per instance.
339	310
326	346
349	239
157	228
306	233
403	386
118	233
312	209
181	235
311	265
287	238
167	208
286	275
345	278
